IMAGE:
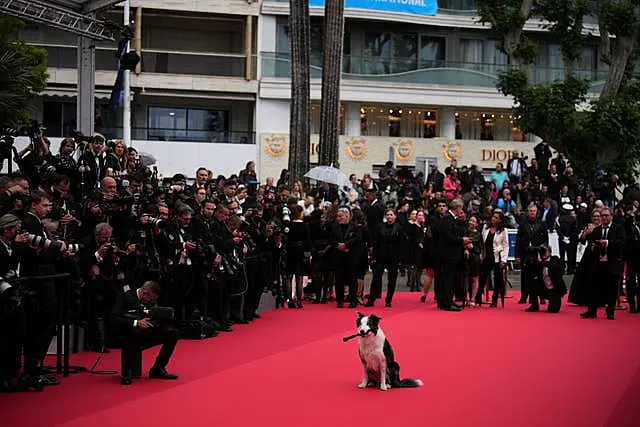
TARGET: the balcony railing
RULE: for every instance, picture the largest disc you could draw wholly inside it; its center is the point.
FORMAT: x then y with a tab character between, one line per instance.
182	135
159	61
417	71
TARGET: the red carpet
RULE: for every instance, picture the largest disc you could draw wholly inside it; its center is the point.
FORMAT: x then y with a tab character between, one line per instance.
482	367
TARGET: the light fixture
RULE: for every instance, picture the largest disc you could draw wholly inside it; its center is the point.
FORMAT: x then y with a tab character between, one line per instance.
493	116
362	111
390	111
484	115
457	114
172	114
410	112
400	111
429	113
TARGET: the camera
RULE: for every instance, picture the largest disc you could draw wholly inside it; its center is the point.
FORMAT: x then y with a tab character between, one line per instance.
204	250
157	315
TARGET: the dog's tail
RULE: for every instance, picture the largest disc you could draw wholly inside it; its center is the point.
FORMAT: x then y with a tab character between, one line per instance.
409	383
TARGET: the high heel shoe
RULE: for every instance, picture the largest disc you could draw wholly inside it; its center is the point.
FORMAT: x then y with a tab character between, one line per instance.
502	300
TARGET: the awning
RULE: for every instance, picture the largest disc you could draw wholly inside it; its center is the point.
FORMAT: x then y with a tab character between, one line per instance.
72	93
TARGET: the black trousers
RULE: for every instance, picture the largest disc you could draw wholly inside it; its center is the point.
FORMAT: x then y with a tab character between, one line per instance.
346	277
528	275
451	277
324	278
199	295
376	281
12	335
180	282
608	283
570	250
40	311
633	281
256	281
143	339
220	299
486	270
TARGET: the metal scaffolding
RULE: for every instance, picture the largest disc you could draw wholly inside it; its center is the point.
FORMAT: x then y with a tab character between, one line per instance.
61	18
77	17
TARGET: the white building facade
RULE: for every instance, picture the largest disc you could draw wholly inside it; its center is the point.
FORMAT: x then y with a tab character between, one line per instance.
415	89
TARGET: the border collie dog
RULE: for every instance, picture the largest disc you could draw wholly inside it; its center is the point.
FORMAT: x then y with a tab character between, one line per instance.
379	366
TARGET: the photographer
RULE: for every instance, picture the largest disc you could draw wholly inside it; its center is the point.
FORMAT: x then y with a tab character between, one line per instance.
549	283
175	248
103	266
12	322
131	318
38	261
532	233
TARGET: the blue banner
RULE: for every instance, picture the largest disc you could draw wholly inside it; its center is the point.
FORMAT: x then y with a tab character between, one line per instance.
417	7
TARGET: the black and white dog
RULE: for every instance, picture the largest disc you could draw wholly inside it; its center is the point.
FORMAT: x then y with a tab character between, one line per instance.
379	366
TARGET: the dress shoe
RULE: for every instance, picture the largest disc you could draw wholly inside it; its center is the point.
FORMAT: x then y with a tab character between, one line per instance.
127	378
238	321
387	304
452	307
256	316
532	309
588	315
522	301
610	316
161	374
352	305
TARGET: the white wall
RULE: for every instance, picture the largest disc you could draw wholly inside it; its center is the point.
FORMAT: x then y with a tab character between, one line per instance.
273	115
183	157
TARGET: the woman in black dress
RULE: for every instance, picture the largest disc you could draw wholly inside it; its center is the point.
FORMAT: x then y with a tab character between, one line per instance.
297	259
473	257
413	252
428	256
579	290
358	218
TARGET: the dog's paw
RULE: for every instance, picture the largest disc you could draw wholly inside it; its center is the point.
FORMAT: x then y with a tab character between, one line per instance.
384	387
363	384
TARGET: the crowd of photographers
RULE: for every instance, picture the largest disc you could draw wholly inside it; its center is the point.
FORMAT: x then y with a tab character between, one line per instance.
204	253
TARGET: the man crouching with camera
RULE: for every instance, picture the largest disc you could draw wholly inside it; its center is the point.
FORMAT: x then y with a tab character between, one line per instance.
142	325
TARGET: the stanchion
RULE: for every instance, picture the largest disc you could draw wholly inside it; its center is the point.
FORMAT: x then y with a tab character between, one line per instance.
62	288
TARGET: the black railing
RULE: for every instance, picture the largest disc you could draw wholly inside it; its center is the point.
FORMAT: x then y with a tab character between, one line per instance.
182	135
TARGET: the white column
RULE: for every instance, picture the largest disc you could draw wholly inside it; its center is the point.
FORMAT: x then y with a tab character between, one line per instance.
126	87
535	139
351	119
447	122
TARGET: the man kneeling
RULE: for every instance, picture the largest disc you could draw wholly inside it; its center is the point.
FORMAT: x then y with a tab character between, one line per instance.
133	319
549	284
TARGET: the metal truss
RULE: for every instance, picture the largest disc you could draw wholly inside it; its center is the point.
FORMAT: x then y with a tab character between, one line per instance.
61	18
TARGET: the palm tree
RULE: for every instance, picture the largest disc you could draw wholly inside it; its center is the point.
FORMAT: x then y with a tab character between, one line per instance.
331	73
23	74
300	119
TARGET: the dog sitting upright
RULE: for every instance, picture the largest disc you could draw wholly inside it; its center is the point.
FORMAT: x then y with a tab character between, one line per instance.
379	366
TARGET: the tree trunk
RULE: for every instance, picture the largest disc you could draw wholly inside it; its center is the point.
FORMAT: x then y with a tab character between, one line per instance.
512	41
300	117
331	73
623	47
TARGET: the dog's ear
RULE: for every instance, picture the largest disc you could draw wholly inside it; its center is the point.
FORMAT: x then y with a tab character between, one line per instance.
375	319
360	315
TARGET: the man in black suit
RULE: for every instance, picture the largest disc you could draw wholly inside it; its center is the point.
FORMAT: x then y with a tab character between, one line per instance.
375	212
607	242
532	233
451	244
549	284
141	334
12	322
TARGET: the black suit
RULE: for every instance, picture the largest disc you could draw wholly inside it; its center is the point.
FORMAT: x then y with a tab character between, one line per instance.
530	235
12	321
609	265
375	215
450	252
136	339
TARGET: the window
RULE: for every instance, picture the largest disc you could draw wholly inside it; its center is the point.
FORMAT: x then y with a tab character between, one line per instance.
432	51
486	126
394	121
175	124
472	51
59	118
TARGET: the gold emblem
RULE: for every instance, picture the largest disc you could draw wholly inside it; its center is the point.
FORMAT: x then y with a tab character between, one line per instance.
404	149
452	150
357	148
276	145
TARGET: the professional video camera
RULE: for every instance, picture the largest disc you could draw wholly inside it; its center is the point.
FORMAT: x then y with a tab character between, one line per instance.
158	316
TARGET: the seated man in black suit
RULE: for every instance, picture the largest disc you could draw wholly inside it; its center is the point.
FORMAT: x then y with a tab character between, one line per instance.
140	333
